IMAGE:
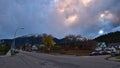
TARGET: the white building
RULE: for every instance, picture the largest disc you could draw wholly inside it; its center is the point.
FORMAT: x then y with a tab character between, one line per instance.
101	46
34	48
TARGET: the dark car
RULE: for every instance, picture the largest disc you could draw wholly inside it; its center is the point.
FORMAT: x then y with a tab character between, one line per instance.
115	54
94	54
103	53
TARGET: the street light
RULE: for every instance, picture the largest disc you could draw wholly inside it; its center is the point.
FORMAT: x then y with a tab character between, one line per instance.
13	44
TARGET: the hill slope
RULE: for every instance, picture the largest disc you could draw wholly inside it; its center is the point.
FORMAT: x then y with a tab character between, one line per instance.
113	37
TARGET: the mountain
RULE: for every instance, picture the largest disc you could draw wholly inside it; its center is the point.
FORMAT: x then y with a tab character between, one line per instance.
36	39
113	37
32	39
6	41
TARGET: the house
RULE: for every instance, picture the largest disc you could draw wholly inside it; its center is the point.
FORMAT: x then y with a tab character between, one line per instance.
112	47
34	48
115	46
101	46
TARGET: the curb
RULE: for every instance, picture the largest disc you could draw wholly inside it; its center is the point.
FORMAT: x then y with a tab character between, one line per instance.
113	59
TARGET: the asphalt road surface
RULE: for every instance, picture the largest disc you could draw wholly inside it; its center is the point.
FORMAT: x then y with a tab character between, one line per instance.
38	60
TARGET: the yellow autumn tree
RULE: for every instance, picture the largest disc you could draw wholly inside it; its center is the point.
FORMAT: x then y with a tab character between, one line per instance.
48	41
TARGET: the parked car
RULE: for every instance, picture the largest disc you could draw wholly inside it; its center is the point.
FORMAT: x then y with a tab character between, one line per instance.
94	54
115	54
103	53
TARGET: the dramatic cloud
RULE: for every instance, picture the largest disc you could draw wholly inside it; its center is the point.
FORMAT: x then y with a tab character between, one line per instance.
89	18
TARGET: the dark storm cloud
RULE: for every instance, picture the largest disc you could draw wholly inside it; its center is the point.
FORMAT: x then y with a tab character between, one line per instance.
41	16
115	10
90	23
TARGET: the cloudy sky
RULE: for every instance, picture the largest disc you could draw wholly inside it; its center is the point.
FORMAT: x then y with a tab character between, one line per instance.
89	18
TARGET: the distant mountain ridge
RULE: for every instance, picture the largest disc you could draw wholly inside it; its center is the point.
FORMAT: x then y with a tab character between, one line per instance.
32	39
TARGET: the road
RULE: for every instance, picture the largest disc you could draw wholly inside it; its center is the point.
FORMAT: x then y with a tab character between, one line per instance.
38	60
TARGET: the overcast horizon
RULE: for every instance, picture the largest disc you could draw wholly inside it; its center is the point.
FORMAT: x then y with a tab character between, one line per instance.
88	18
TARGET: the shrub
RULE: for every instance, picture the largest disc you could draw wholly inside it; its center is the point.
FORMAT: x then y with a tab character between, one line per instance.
4	49
42	48
56	47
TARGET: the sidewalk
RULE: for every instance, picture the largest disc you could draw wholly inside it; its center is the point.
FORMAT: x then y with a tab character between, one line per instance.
3	56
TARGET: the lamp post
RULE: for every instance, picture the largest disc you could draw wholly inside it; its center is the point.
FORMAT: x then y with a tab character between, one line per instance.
13	43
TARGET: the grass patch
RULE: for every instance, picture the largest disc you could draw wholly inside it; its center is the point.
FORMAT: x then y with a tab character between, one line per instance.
107	58
71	54
62	54
117	57
82	54
13	53
2	53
